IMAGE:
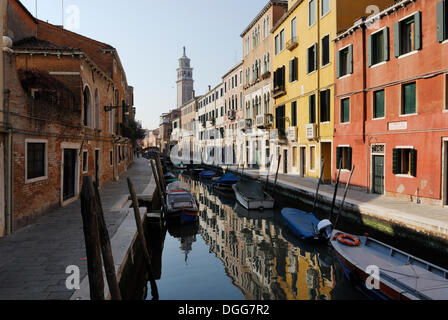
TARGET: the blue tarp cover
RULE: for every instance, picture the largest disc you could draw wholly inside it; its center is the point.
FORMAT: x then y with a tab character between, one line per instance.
228	178
208	174
302	223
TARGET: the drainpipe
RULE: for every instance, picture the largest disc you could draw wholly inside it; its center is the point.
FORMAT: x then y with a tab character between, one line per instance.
318	102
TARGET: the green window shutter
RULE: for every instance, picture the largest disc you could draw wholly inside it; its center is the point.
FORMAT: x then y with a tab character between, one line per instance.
414	163
345	110
397	47
418	30
441	17
350	59
291	71
379	104
338	64
349	158
369	51
396	161
338	158
386	44
410	105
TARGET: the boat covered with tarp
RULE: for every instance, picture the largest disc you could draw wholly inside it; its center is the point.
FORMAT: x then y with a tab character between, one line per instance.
252	196
181	203
306	226
226	182
398	275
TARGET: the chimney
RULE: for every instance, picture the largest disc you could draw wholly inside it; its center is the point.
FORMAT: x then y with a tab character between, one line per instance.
209	88
193	95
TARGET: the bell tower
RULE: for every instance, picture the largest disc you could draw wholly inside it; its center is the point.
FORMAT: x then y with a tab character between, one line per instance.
184	81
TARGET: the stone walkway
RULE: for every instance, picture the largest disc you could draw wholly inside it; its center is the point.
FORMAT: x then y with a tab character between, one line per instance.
420	217
33	260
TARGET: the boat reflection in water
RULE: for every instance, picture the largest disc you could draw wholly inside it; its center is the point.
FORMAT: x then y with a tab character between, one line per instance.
186	233
264	260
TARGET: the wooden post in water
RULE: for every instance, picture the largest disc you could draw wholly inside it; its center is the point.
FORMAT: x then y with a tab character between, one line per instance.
276	175
91	237
269	171
345	197
318	186
160	173
336	190
143	243
159	188
106	249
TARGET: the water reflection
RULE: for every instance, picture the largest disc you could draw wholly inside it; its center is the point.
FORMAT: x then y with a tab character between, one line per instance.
259	254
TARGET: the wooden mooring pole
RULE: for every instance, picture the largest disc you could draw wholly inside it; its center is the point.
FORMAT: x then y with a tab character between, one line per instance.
276	175
106	249
318	186
91	237
345	196
336	190
162	193
269	171
141	236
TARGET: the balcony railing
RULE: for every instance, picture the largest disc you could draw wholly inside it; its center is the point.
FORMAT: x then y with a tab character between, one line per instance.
264	120
292	44
278	91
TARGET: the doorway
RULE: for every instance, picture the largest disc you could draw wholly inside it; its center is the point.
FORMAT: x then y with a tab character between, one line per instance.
285	161
2	191
97	167
326	157
445	172
69	174
302	170
378	174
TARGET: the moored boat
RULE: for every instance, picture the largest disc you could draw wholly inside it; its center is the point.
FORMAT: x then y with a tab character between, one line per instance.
181	203
207	175
401	275
251	195
306	226
226	182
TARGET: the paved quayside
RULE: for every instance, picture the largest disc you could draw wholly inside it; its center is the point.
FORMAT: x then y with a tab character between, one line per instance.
34	259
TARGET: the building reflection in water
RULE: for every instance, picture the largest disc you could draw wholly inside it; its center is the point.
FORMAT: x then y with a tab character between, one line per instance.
186	235
263	259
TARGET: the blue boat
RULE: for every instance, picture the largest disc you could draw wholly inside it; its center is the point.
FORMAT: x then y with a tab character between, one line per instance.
207	174
226	182
306	226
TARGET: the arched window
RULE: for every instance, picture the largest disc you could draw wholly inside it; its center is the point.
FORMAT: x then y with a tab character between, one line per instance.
97	110
87	107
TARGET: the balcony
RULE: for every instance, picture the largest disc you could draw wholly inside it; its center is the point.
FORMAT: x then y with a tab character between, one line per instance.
231	115
165	121
264	121
278	91
245	124
266	75
292	44
311	131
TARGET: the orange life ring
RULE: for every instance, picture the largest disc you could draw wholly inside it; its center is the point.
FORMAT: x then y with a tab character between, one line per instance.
349	240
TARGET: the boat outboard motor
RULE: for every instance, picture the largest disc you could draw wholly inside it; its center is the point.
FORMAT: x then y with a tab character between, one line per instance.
325	229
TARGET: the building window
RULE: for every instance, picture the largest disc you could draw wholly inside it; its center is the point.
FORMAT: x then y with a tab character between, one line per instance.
280	120
378	47
293	70
344	158
409	98
277	44
36	160
97	110
407	35
312	107
312	58
325	115
282	40
294	114
312	12
312	158
85	162
344	61
325	50
345	110
405	161
442	20
293	30
111	154
325	5
279	79
378	104
87	107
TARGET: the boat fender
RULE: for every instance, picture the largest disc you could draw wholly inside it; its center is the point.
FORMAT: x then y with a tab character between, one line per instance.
349	240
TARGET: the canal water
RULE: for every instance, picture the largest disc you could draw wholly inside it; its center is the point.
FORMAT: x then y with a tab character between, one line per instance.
234	254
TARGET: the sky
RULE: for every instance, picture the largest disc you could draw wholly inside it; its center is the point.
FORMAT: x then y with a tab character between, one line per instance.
149	36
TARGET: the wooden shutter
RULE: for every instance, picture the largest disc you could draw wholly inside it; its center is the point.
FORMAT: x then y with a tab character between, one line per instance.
397	46
386	44
291	71
418	30
349	158
441	17
396	160
413	163
369	51
312	108
350	59
338	64
338	157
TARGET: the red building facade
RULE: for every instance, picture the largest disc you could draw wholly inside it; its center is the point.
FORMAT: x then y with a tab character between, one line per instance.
392	102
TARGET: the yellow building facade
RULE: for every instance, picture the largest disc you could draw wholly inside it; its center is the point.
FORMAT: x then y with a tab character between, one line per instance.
304	77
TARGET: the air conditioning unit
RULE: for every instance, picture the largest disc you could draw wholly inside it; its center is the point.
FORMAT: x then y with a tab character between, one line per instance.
245	124
274	134
292	134
264	120
311	131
